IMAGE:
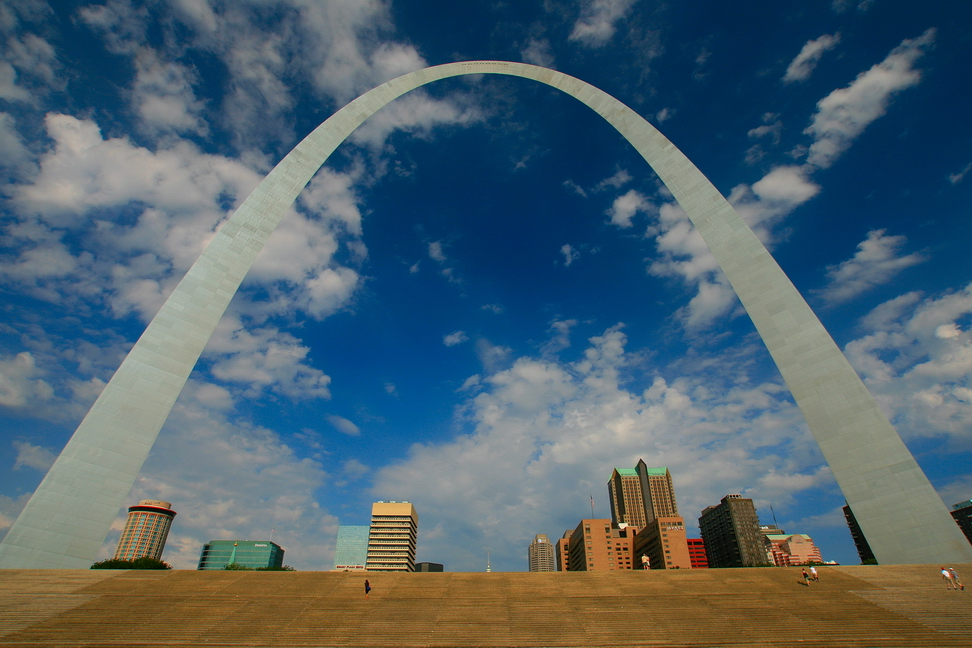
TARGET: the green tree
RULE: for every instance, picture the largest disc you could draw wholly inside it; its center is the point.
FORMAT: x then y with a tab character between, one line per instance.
139	563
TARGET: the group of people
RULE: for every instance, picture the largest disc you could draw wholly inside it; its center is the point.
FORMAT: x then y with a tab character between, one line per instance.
811	576
952	580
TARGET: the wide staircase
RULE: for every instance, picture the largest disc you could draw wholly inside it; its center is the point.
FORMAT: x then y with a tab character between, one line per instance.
863	606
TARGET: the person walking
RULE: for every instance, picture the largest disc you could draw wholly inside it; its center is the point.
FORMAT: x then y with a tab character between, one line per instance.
813	573
806	578
955	578
949	579
367	588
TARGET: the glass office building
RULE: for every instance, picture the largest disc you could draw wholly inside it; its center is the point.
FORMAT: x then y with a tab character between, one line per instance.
351	552
217	554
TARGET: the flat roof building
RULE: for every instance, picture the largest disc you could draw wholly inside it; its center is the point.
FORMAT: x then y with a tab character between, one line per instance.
392	537
696	549
351	550
962	512
595	545
429	567
146	530
663	542
217	554
731	533
563	551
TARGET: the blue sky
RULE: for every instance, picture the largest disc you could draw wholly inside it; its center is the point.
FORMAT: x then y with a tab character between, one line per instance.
485	300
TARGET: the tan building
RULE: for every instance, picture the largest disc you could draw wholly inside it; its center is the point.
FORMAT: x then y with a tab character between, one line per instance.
657	491
392	537
563	551
595	545
664	542
624	492
785	549
541	554
146	530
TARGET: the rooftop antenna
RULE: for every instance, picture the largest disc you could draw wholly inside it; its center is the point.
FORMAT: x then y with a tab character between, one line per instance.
488	568
592	506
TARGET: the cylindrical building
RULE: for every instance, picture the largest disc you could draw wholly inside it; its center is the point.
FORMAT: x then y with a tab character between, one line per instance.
145	530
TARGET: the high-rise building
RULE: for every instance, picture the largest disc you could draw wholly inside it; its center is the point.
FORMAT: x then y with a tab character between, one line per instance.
657	491
351	551
663	542
624	493
596	545
217	554
731	533
146	530
696	549
563	551
962	512
541	554
392	537
860	542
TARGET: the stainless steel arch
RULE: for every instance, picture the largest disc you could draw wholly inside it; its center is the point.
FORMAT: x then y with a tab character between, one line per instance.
66	520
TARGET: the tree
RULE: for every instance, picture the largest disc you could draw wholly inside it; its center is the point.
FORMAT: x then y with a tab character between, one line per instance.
144	562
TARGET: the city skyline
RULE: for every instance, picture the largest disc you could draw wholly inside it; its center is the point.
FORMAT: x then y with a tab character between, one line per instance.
474	372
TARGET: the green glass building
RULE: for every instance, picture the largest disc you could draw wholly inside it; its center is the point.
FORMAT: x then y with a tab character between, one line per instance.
351	552
217	554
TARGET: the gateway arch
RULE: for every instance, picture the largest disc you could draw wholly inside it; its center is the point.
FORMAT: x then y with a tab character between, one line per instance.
66	520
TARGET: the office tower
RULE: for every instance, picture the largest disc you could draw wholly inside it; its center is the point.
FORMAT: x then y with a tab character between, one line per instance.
146	530
962	512
656	491
595	545
697	555
351	550
429	567
860	542
624	493
217	554
731	533
786	549
392	537
563	550
663	542
541	554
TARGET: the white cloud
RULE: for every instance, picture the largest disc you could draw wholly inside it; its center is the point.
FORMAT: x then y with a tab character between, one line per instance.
598	21
435	251
343	425
20	382
454	338
33	456
803	65
917	361
844	114
416	114
956	178
626	206
163	96
570	254
264	359
537	52
772	127
876	262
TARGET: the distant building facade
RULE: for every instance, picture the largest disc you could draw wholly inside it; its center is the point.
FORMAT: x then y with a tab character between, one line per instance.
860	542
351	551
596	545
624	494
731	533
146	530
392	537
429	567
563	551
217	554
663	542
787	549
541	554
962	512
657	491
696	549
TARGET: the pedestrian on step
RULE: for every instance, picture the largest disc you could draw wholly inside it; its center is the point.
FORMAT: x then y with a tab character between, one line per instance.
813	573
949	579
956	579
806	578
367	588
